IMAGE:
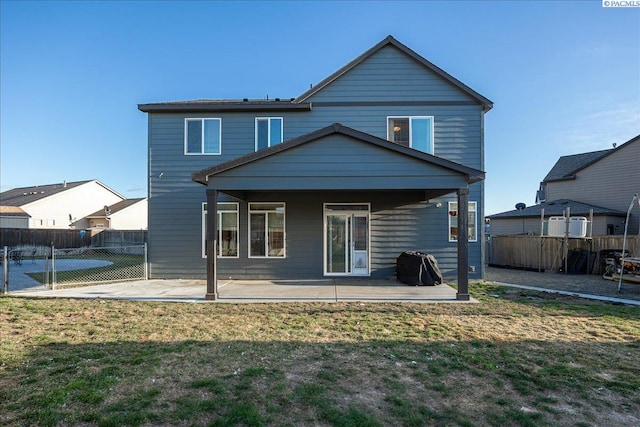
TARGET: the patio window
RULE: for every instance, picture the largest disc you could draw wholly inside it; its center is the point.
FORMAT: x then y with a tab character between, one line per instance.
268	132
227	230
202	136
413	131
266	230
453	222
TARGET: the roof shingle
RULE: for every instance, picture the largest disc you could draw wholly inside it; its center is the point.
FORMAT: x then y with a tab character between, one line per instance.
25	195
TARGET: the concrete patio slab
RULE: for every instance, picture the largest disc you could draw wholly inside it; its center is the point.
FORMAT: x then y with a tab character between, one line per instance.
255	291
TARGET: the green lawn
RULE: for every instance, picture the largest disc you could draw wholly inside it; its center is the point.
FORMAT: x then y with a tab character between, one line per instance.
517	358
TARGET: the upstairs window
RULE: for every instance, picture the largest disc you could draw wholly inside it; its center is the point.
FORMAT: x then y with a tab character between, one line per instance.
413	131
268	132
202	136
453	222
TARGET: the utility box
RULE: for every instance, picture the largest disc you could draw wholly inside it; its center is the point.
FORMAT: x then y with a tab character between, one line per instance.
557	226
578	226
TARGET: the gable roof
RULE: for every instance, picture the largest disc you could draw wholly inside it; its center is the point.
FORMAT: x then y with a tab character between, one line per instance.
203	175
299	103
25	195
115	208
567	166
390	41
13	211
557	208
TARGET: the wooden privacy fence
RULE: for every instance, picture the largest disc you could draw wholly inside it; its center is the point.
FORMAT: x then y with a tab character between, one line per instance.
107	238
25	237
547	253
45	238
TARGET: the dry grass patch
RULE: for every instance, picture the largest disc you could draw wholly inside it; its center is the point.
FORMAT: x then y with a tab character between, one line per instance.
518	358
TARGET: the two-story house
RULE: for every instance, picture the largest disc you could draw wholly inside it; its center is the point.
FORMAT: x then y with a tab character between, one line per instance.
599	183
384	155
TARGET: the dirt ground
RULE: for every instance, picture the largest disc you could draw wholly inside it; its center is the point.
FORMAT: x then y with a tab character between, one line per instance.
579	283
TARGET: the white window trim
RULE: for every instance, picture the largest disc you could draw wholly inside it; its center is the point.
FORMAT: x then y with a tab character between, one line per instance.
326	212
186	133
475	223
268	119
284	226
433	135
204	228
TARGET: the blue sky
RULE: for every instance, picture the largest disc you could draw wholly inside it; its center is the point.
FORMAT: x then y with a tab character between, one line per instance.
564	76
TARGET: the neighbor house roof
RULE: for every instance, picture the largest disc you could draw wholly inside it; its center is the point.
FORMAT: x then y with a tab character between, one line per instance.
567	166
390	41
115	208
558	208
25	195
13	211
336	128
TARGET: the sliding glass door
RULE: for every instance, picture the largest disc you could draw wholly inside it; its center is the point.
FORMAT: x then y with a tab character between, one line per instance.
346	247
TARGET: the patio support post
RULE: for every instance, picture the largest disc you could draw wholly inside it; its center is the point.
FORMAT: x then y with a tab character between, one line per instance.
463	245
212	244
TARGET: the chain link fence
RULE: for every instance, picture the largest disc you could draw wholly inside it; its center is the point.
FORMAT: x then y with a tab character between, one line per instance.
78	266
60	267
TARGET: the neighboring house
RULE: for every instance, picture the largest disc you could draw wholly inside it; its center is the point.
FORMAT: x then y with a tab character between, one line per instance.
129	214
13	217
604	181
528	221
61	206
377	159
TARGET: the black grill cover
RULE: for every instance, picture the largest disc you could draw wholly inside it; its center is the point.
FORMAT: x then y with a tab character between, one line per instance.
418	268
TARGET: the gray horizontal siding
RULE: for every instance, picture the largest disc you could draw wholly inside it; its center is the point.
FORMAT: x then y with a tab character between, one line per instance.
389	74
388	77
457	129
398	223
337	162
457	134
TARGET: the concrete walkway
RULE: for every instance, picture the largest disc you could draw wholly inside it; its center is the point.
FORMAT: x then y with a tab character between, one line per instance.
252	291
581	285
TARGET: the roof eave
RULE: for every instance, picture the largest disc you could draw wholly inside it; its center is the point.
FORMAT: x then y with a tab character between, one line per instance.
213	107
564	178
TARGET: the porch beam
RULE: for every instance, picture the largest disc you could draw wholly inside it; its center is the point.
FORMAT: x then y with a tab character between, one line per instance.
212	244
238	195
463	245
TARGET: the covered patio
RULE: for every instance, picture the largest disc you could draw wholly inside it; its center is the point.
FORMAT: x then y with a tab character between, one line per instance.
335	162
